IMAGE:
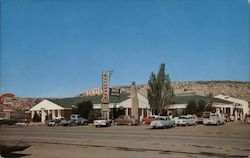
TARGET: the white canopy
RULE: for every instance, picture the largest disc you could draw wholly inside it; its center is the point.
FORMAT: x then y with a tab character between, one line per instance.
46	105
242	103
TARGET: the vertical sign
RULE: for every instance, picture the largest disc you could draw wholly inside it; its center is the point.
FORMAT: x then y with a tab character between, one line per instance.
105	95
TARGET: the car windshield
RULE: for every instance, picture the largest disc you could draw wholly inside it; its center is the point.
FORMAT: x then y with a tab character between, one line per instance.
183	117
206	115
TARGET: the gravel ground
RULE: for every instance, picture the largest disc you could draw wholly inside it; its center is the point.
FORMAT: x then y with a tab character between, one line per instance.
229	140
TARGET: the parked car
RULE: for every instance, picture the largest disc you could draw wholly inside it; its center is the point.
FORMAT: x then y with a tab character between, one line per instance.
102	122
205	115
67	122
195	118
227	118
54	122
77	119
186	120
125	120
7	121
247	119
148	120
200	120
175	120
214	119
162	122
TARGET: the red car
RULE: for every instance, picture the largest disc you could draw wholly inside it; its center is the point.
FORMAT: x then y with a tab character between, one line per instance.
148	120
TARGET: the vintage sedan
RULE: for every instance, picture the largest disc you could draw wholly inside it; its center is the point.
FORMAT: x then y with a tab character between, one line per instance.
102	122
214	119
186	120
54	122
162	122
125	120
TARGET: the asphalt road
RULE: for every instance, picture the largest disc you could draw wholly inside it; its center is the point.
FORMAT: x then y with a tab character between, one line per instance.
229	140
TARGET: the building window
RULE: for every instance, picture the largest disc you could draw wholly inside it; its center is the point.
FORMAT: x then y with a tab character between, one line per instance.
140	112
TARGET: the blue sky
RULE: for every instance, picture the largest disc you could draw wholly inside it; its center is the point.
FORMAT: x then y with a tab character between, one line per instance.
52	48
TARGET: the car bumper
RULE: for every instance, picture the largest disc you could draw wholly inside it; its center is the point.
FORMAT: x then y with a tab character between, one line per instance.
181	123
210	122
100	123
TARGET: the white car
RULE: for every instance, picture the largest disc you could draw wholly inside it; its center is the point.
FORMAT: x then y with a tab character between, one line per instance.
175	120
162	122
214	119
186	120
102	122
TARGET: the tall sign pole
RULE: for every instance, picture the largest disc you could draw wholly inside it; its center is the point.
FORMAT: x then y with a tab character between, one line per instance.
105	94
134	101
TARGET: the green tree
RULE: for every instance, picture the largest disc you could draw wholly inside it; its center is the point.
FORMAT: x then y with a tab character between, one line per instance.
192	107
160	92
84	109
210	97
209	106
201	107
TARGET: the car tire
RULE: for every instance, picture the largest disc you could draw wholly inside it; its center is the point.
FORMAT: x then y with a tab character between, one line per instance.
218	123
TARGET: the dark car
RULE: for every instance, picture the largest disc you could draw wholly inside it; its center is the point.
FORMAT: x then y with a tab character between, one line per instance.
55	122
125	120
7	121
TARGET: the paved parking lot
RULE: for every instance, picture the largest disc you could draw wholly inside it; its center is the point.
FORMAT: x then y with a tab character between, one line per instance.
229	140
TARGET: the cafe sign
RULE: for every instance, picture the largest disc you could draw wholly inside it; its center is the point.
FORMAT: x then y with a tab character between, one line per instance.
105	87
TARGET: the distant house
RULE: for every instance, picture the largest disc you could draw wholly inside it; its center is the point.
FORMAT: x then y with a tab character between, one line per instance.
181	103
63	107
232	106
48	109
223	104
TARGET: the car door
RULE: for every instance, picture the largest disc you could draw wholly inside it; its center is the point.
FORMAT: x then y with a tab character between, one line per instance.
127	120
189	121
121	120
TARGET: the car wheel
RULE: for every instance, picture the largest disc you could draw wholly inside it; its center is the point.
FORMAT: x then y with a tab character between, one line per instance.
115	123
218	123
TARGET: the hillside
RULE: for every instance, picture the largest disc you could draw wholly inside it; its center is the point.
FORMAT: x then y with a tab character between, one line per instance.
235	89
